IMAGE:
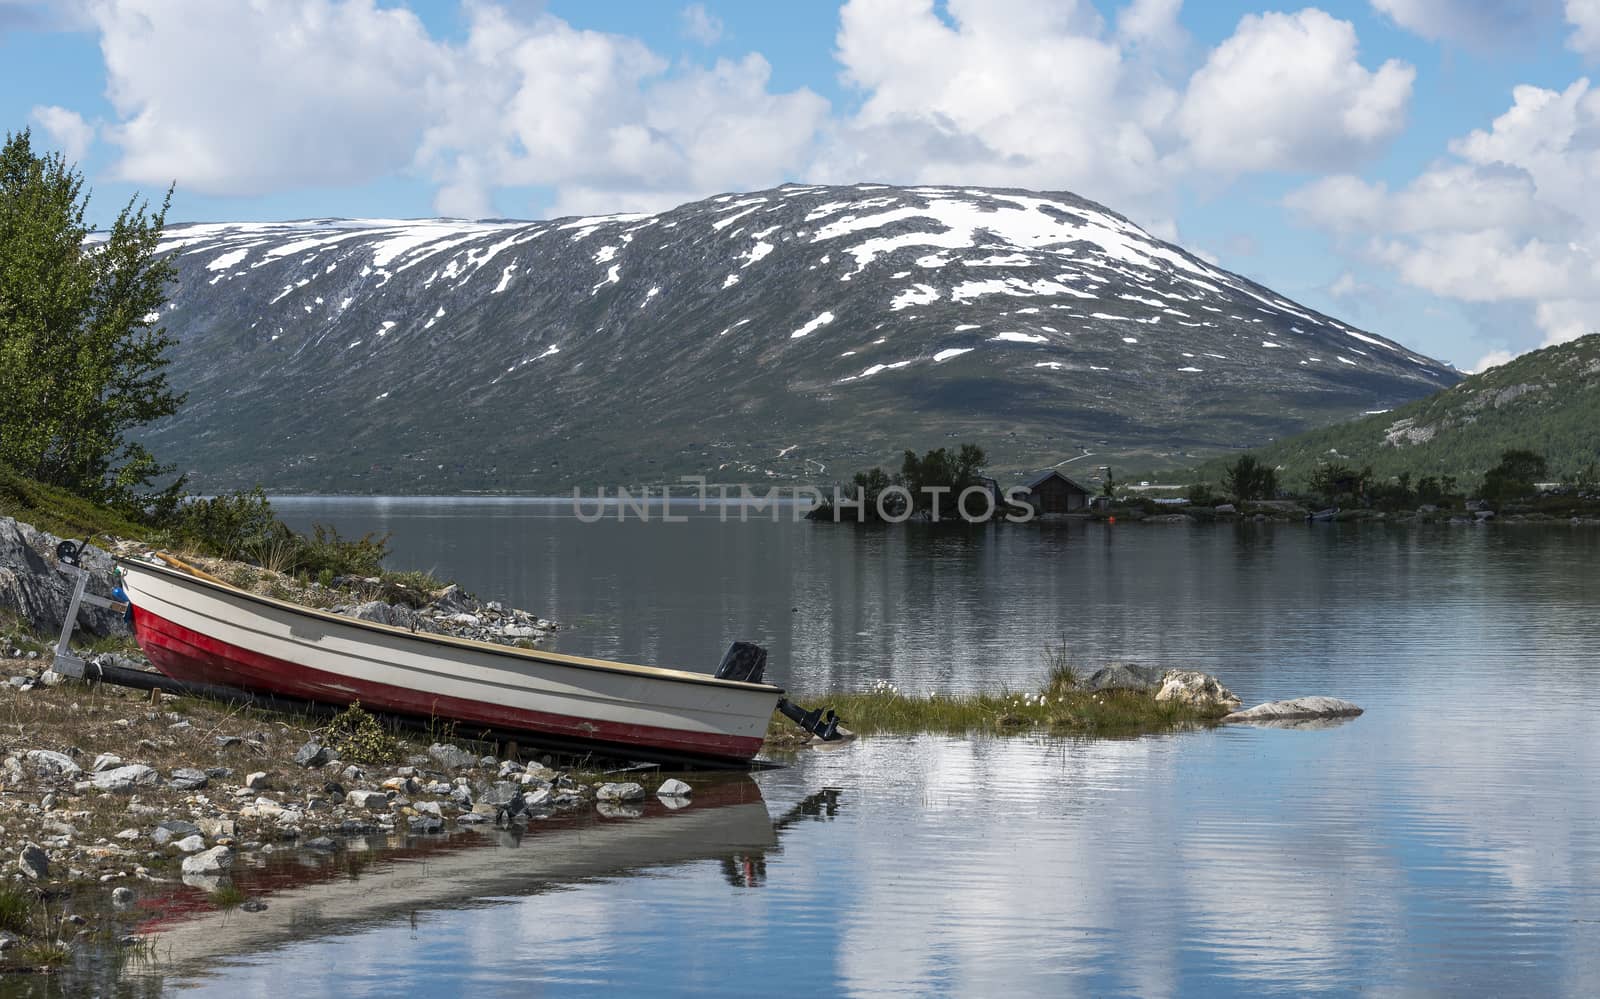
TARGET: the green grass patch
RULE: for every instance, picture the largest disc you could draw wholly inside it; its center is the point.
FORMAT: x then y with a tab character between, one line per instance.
60	512
1058	708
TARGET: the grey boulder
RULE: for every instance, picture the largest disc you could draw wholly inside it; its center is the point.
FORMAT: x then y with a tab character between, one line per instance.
313	754
32	588
34	863
1125	676
54	762
188	779
451	757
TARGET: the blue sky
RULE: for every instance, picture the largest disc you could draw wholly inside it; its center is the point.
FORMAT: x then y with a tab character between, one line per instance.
1417	167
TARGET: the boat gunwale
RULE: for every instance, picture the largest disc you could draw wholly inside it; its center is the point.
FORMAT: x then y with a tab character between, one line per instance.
451	641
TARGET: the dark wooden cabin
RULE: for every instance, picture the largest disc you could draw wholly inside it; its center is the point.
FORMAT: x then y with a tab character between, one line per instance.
1053	492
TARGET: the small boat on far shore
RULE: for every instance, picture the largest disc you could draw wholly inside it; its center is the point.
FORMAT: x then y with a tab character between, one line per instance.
1317	515
199	629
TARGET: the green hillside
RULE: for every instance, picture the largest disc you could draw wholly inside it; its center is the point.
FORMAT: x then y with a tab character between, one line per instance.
1546	401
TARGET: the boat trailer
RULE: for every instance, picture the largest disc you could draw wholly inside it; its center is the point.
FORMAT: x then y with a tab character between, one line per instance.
70	555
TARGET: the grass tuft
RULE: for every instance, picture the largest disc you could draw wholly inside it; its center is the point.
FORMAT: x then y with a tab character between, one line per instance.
1058	708
228	896
16	908
43	954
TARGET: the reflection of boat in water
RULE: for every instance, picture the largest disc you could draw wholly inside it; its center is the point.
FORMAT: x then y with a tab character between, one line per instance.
727	821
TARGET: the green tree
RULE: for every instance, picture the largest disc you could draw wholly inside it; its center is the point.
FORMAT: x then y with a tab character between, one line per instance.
81	357
1515	476
870	485
1335	481
936	479
1249	479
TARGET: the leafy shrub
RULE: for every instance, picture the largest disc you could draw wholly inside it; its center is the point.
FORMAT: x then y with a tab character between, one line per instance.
326	551
232	525
243	526
361	738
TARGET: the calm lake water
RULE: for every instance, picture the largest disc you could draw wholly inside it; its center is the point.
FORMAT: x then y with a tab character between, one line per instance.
1448	841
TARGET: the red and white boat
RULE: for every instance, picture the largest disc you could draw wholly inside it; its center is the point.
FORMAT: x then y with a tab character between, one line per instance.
203	630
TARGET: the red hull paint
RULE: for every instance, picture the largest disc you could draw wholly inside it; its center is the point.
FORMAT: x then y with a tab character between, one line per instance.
184	654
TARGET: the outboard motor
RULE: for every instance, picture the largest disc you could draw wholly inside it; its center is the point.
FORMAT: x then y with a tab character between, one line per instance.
745	662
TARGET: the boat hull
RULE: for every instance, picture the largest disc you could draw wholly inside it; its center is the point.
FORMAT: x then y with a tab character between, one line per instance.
204	632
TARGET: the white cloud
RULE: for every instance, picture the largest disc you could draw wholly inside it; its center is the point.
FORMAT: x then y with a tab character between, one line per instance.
700	24
1021	92
1287	92
1584	16
66	130
1347	285
243	99
1152	26
1483	25
247	98
600	118
1511	219
1493	359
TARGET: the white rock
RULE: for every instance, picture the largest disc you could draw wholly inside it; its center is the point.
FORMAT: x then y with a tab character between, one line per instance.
125	778
674	788
214	828
1196	689
262	808
105	761
1296	708
191	844
216	860
620	792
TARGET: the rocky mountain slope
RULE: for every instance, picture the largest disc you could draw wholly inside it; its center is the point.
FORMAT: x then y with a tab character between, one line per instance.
1546	401
786	335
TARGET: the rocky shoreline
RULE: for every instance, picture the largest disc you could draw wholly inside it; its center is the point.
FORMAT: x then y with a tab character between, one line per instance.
102	785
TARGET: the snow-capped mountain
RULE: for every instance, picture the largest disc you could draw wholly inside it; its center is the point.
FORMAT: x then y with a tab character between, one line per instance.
791	334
